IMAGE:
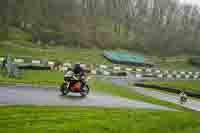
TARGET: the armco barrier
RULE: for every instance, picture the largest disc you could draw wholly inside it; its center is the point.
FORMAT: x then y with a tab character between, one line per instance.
168	89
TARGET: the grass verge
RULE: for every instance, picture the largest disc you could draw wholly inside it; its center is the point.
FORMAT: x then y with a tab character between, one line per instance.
95	120
179	65
37	77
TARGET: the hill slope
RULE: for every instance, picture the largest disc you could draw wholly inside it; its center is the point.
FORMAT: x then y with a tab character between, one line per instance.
159	27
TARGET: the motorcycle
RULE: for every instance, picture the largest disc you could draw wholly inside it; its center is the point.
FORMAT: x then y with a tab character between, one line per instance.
183	100
75	85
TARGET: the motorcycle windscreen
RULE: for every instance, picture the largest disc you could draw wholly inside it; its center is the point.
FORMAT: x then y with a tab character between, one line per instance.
76	87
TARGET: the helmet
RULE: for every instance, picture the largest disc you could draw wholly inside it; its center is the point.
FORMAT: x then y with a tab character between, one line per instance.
77	65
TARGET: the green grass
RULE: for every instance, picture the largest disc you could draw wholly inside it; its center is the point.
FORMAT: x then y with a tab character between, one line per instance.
189	85
56	78
179	65
37	77
95	120
23	48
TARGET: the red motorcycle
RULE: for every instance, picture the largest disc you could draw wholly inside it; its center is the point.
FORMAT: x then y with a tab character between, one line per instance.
75	85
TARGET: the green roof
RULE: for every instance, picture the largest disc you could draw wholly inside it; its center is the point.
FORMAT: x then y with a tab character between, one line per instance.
123	57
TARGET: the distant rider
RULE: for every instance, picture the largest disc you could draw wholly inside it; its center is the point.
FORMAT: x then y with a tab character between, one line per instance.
183	97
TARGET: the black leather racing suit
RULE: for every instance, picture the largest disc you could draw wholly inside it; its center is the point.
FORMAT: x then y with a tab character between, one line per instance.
80	74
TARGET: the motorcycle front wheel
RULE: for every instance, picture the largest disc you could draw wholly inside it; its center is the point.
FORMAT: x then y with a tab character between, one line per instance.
64	89
85	91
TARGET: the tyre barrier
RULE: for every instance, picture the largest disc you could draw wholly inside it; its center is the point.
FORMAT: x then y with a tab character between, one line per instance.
108	73
171	76
31	67
168	89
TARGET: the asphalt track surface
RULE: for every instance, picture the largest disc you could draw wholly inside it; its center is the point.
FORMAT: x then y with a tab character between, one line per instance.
29	95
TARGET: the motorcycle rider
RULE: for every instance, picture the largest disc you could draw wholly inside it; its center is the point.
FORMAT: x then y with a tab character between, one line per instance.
79	73
183	97
78	70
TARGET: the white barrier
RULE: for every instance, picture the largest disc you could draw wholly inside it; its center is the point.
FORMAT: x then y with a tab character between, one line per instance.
138	75
148	70
19	60
157	71
183	72
36	61
1	58
190	73
117	68
129	69
174	72
160	76
106	73
197	73
169	76
138	70
187	76
103	66
178	76
196	76
94	72
51	63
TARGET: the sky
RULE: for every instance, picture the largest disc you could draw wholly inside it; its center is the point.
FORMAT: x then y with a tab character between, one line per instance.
193	2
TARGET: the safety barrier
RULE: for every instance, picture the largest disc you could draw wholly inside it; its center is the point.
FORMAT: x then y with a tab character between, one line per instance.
115	69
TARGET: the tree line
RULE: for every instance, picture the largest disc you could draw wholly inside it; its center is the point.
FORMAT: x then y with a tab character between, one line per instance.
155	26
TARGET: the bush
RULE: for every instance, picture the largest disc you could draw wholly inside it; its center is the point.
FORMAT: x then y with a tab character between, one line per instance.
194	61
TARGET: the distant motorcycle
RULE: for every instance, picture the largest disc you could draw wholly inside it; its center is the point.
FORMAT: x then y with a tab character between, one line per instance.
183	98
73	84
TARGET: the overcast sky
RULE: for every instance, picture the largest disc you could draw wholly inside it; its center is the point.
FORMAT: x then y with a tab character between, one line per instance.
196	2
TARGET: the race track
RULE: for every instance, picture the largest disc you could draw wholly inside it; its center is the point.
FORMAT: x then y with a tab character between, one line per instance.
28	95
